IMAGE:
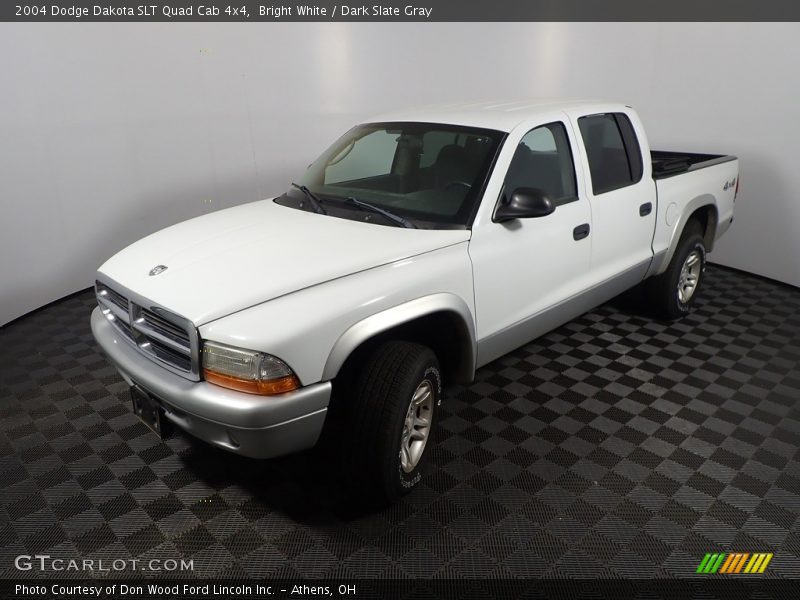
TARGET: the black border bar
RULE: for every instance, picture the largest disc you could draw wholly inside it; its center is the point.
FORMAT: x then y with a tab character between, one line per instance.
709	587
400	10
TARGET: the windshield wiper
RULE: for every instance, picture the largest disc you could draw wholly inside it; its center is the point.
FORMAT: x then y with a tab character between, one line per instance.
312	198
397	219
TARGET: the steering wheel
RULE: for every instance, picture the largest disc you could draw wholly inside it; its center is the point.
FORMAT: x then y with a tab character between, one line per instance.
455	183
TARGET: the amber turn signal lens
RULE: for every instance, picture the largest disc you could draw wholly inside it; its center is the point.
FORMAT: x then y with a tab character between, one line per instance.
264	388
247	371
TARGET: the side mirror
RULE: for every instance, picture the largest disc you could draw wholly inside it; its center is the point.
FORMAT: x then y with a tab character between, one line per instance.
525	203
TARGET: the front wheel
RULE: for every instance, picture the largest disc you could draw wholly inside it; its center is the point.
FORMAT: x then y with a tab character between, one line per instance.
391	414
673	292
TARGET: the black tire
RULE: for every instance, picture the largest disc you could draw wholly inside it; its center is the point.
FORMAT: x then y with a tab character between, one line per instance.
663	290
376	417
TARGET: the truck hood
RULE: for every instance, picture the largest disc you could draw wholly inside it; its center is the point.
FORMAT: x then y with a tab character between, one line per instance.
232	259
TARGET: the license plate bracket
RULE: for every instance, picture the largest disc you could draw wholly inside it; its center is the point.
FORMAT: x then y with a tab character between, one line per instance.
150	412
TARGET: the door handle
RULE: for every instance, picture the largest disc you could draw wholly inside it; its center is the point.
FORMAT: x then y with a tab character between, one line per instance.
645	209
580	232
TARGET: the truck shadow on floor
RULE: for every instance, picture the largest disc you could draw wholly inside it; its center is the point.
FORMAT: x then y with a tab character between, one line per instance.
635	303
305	487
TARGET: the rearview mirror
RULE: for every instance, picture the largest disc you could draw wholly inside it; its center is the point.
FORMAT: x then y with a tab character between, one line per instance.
525	203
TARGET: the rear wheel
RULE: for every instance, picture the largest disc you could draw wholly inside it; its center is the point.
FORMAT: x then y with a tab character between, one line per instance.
389	419
673	292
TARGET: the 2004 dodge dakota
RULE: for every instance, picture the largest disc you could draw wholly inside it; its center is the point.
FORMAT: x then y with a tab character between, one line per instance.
417	248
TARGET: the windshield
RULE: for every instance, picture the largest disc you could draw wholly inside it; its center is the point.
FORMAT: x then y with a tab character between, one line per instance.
432	174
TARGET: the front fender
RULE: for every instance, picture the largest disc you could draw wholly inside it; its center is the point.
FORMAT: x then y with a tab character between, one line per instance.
314	329
390	318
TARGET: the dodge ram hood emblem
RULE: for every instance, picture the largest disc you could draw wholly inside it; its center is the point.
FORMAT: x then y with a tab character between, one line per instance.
158	269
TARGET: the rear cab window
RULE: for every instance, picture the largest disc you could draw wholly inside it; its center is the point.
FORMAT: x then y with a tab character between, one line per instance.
613	152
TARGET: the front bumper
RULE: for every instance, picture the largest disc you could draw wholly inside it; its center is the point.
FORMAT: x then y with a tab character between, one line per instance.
250	425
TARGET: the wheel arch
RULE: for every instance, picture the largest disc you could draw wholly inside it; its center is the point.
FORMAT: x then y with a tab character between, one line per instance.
442	322
702	209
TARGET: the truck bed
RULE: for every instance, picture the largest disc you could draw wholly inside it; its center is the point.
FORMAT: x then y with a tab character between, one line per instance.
703	177
668	164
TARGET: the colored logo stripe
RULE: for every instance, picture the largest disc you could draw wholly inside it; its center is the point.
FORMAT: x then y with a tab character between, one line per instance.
703	564
728	561
759	562
710	563
734	562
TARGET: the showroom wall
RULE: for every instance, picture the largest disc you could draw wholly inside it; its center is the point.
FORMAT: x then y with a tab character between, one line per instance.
110	133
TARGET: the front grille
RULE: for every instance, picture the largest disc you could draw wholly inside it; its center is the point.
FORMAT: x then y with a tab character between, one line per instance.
124	328
117	298
165	337
166	328
167	354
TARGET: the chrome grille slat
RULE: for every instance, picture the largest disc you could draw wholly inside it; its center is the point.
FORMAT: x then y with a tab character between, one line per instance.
125	328
141	325
168	355
103	291
165	328
162	336
115	308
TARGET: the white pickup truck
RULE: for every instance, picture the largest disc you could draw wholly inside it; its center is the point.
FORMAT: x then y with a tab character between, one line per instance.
417	248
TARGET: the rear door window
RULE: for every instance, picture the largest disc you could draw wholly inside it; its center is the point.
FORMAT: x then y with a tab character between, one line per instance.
615	159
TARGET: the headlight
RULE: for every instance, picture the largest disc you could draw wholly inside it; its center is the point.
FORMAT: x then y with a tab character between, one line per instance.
246	370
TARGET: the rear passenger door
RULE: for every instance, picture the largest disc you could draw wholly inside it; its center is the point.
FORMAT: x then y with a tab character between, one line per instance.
622	195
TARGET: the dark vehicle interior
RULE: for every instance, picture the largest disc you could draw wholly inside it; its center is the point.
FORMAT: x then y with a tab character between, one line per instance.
433	173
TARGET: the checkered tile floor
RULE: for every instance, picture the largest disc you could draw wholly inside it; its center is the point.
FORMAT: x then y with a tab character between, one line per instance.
615	446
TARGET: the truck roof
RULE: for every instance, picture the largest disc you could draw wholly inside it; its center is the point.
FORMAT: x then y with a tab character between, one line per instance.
499	115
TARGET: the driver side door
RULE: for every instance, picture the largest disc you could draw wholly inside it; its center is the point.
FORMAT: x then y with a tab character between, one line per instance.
527	271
